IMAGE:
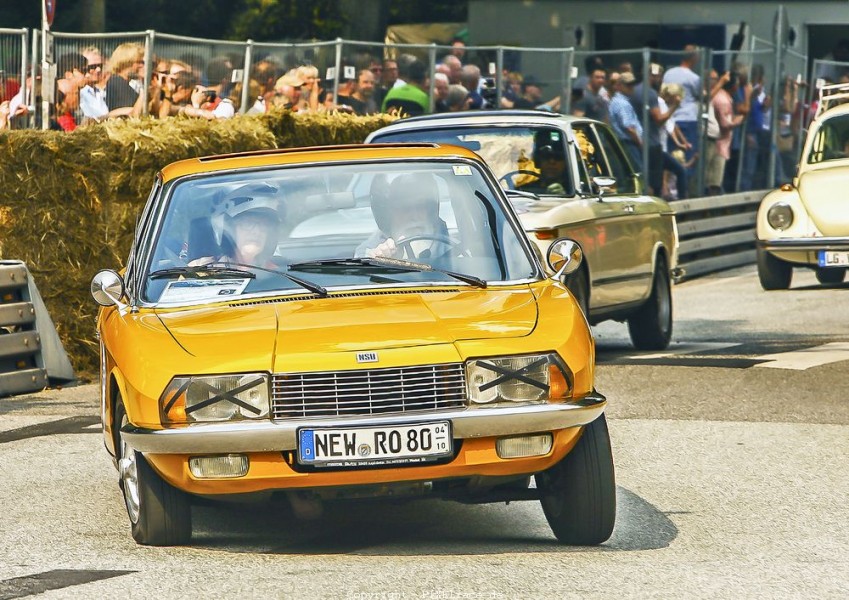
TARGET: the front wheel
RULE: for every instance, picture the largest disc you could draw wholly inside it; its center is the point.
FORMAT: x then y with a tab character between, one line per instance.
774	273
830	275
578	494
160	514
651	326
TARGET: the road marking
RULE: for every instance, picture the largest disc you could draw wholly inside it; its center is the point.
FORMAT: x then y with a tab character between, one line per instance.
58	579
685	348
804	359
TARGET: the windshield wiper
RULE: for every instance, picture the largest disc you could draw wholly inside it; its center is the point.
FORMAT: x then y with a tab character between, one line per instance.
208	270
522	194
390	264
221	269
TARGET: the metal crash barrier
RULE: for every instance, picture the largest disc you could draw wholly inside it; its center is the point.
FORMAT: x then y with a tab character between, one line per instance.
31	353
717	232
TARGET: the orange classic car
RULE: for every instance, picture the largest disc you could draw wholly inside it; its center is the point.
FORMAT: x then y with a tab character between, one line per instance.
340	322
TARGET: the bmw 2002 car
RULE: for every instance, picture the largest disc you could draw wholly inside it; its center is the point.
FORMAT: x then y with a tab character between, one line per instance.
806	223
263	340
569	177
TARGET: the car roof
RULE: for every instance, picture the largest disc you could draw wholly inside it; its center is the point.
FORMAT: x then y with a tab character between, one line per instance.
317	154
482	117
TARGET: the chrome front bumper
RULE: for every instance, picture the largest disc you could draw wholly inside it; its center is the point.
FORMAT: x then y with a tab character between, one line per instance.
812	244
277	436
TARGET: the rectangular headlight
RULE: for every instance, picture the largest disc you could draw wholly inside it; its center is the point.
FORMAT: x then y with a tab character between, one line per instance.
531	378
215	398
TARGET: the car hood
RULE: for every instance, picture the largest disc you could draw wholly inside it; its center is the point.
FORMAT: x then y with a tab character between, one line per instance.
826	201
359	322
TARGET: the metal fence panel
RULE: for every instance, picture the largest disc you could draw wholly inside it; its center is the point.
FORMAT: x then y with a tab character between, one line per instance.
13	69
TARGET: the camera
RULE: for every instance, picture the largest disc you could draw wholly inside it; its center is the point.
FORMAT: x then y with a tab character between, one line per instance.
488	91
210	95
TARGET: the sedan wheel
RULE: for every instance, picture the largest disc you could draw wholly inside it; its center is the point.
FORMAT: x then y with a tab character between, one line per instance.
774	273
651	326
830	276
160	514
578	494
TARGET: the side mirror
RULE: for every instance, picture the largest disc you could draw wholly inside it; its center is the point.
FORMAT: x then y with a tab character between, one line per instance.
604	184
564	257
107	288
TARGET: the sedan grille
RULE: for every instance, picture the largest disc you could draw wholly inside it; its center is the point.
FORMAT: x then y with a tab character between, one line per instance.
368	391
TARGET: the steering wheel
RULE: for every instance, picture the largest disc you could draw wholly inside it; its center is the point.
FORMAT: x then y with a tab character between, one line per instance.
508	177
406	243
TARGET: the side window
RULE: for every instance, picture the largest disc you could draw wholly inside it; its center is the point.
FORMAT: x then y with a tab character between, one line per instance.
591	156
620	168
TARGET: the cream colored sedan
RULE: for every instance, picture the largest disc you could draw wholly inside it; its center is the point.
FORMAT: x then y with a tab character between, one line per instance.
806	223
569	177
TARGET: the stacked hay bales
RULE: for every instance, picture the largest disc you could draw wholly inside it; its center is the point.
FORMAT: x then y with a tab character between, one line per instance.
69	202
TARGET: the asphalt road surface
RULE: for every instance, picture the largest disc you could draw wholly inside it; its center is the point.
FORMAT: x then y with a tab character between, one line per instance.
731	450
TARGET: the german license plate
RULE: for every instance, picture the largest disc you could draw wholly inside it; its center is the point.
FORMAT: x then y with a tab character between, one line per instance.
829	258
372	446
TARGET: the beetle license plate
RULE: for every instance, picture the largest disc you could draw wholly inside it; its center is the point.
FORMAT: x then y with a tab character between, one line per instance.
373	446
829	258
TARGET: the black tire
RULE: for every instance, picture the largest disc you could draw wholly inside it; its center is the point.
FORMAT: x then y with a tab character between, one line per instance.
578	283
651	325
578	494
774	273
163	514
830	276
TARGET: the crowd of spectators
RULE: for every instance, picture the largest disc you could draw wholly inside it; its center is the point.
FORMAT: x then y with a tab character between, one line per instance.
91	88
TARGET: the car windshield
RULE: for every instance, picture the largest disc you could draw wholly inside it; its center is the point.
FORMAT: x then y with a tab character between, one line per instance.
310	228
531	159
831	141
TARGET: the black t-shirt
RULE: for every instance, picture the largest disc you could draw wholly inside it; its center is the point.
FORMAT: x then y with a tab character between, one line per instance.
359	107
524	103
119	93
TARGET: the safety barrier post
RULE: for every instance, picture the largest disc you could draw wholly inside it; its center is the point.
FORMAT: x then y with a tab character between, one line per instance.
499	75
148	69
431	56
246	77
644	114
30	350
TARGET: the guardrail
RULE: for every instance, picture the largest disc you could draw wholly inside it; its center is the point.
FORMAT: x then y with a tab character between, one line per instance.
717	232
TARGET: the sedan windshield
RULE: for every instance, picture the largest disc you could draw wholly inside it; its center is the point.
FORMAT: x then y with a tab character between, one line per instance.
531	159
309	228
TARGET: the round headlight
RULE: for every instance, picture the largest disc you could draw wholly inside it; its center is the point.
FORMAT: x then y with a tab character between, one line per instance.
780	216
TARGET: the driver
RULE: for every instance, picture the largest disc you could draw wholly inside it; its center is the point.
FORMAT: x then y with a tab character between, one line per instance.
251	222
408	210
551	162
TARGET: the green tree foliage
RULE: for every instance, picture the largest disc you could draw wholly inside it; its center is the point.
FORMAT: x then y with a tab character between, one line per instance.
261	20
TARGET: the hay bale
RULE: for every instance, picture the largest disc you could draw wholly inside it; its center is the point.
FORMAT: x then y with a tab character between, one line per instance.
69	201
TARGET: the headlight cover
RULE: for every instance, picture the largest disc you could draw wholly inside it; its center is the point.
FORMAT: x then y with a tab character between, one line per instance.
535	378
780	216
202	399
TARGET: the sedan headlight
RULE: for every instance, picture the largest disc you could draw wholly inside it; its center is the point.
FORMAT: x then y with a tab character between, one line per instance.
533	378
215	398
779	216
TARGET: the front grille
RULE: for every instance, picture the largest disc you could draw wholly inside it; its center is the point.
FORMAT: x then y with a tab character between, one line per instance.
368	391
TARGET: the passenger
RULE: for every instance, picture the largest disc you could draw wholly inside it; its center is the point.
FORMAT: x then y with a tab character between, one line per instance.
409	226
252	215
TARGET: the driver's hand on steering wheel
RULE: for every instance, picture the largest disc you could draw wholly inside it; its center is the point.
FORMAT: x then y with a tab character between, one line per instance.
556	188
385	249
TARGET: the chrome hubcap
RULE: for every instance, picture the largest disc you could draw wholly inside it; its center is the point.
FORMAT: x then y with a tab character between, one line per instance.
128	469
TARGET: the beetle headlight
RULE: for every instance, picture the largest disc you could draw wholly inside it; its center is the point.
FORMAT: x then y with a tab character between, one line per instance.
532	378
215	398
779	216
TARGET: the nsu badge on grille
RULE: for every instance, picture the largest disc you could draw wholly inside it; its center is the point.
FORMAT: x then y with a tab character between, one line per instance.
366	357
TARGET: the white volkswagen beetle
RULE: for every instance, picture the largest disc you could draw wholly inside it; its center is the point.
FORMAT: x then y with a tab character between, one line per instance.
806	223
